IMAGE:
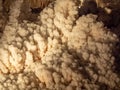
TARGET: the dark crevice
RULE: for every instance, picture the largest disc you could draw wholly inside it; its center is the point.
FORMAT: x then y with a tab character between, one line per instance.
36	10
116	53
110	20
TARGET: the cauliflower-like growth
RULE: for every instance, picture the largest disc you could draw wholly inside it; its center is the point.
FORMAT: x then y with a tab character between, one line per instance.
60	51
21	81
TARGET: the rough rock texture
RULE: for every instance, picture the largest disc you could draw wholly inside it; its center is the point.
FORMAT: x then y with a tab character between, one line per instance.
58	51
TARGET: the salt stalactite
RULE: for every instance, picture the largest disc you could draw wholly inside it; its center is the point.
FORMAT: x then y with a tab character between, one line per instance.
12	22
1	5
15	11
